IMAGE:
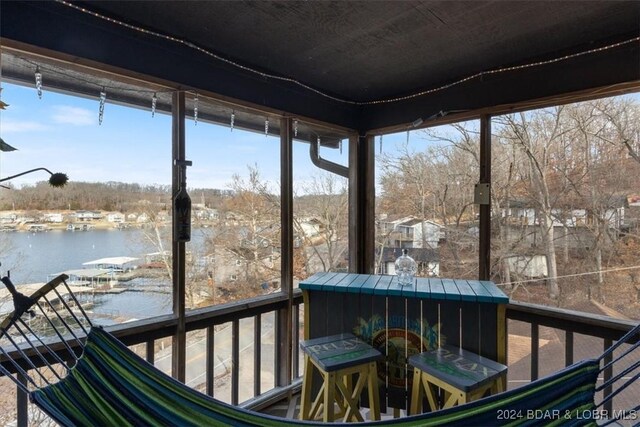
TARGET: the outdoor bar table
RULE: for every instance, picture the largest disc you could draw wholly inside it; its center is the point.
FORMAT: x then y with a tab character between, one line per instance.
404	320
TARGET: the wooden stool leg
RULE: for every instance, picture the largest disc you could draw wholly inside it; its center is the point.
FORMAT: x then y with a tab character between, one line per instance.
479	393
416	393
374	398
454	398
329	396
431	397
347	380
350	396
317	403
305	399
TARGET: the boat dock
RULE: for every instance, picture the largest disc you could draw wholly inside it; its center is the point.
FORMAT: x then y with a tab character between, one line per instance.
93	277
119	264
6	301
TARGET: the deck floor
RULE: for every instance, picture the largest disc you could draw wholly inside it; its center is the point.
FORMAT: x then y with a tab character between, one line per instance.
291	410
284	409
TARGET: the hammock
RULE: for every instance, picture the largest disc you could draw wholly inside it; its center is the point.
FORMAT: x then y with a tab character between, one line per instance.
107	384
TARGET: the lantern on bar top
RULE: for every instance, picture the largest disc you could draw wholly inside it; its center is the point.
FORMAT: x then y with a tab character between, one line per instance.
406	269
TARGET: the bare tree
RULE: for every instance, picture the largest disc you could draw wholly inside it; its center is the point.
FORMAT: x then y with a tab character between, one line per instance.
321	220
251	232
623	124
603	174
535	134
156	231
407	184
436	184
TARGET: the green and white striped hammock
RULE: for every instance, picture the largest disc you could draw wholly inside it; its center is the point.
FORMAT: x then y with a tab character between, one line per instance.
109	385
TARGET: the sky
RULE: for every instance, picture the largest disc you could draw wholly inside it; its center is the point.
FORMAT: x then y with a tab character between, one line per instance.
62	133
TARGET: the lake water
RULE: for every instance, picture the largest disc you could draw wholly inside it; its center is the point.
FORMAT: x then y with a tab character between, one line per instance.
34	257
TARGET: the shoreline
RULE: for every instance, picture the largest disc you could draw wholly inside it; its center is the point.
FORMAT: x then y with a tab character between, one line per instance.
40	227
76	220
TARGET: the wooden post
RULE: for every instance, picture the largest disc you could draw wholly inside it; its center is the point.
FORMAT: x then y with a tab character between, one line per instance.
608	374
179	344
235	361
22	403
501	341
361	205
484	252
257	355
210	362
535	347
568	348
354	232
285	342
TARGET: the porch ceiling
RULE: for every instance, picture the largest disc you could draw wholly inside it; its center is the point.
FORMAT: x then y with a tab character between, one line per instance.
356	51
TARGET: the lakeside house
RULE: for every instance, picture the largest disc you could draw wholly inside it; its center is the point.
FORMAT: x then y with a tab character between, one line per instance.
310	227
204	213
115	217
528	266
9	218
56	218
582	213
576	223
411	232
88	215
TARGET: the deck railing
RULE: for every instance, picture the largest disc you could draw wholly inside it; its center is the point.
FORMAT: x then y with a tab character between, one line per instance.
570	322
148	331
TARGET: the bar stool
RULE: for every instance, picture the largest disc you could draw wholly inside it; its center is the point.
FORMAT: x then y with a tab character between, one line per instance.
338	358
462	375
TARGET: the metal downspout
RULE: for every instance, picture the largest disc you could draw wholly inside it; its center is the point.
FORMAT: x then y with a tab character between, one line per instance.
314	153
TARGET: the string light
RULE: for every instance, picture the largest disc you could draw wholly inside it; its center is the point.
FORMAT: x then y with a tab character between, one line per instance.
380	144
318	142
154	101
233	119
38	77
342	100
103	98
295	128
340	145
408	132
195	110
50	69
266	127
